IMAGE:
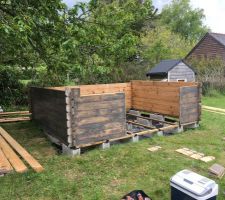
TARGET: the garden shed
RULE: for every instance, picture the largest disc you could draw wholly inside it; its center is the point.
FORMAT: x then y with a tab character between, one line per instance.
172	70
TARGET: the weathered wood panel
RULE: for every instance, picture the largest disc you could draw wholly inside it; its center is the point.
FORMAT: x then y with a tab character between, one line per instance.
190	104
99	117
181	72
48	108
86	90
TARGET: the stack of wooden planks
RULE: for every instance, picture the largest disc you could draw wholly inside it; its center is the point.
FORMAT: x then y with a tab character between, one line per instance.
11	153
6	117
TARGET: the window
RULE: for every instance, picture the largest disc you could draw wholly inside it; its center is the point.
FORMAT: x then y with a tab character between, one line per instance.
181	80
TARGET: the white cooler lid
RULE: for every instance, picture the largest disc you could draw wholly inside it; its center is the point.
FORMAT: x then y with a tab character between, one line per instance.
192	182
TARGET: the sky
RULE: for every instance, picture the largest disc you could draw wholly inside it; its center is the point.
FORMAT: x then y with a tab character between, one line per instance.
214	11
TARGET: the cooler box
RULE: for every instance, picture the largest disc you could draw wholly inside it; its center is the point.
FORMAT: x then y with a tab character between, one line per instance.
187	185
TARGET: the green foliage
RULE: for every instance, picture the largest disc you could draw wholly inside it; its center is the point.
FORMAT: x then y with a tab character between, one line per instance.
211	73
109	36
181	18
160	43
11	90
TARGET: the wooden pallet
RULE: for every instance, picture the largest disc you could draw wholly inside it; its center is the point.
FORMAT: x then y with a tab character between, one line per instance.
10	155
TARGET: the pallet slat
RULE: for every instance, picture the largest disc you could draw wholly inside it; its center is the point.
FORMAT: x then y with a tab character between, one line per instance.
23	153
15	161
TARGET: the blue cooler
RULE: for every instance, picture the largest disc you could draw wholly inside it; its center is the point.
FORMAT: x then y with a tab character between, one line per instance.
187	185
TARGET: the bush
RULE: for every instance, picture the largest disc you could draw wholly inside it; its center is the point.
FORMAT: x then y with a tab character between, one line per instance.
12	92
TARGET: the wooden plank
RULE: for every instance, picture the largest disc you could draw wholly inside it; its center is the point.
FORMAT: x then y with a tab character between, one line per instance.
14	119
221	113
14	113
150	101
159	83
165	122
15	161
95	105
101	97
23	153
99	112
5	166
138	124
214	109
162	109
101	119
168	127
147	132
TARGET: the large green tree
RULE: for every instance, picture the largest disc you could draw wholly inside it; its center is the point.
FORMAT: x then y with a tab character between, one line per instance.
183	19
89	40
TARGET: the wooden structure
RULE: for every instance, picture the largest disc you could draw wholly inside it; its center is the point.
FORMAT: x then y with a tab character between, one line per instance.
172	71
10	153
211	46
87	114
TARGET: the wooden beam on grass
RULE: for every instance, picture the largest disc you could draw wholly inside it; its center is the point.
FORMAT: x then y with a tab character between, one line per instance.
14	113
214	109
14	119
23	153
15	161
5	166
221	113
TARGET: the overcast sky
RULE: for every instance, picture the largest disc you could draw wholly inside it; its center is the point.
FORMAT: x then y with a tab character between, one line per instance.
213	9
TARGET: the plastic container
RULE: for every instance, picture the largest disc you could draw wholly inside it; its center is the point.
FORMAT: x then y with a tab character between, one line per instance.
187	185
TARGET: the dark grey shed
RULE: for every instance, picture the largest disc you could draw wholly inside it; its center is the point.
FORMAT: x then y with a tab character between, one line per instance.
172	70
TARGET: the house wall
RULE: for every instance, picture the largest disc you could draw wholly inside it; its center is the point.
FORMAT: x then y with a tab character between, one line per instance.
181	72
207	48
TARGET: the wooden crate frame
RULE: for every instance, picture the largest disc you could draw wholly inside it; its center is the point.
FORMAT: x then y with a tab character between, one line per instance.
88	114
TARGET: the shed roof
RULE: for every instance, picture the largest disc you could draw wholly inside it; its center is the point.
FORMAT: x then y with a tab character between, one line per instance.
219	37
163	67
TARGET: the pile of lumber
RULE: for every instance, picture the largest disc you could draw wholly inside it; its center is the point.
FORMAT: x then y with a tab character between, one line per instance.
6	117
11	155
214	110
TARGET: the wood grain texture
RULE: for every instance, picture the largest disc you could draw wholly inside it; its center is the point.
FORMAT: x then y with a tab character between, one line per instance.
190	104
208	47
5	166
12	157
48	109
100	117
21	151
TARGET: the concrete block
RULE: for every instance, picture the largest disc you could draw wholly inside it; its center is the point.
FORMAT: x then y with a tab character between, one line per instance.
71	152
160	133
135	138
194	125
105	145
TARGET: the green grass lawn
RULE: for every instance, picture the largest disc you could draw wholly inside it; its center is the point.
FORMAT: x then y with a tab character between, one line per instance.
217	101
109	174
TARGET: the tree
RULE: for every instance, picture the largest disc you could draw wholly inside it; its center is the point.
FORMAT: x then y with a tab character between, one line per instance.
181	18
109	36
160	43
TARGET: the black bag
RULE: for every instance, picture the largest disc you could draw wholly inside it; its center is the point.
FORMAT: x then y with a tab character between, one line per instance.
134	194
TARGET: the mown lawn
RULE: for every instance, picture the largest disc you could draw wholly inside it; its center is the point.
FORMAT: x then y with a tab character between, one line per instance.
217	101
109	174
